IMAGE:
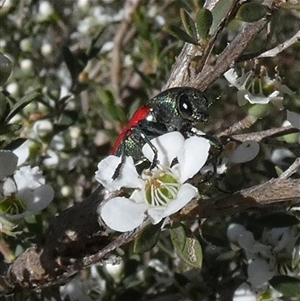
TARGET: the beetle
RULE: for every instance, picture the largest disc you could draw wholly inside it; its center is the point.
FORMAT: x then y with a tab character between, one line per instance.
175	109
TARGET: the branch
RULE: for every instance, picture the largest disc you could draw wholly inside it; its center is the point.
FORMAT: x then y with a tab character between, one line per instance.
260	136
276	50
71	246
182	70
273	191
116	69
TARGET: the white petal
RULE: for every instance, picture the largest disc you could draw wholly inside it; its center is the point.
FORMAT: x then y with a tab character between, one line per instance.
22	152
259	99
241	97
121	214
156	214
167	145
259	273
234	231
232	77
29	178
41	198
244	293
138	196
9	187
51	159
294	119
128	176
8	163
185	194
245	152
192	157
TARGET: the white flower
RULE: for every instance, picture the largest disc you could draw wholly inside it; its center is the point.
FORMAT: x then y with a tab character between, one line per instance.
159	192
257	89
244	293
294	119
266	255
25	194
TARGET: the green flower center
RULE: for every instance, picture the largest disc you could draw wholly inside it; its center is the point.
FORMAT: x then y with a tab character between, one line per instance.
11	205
161	189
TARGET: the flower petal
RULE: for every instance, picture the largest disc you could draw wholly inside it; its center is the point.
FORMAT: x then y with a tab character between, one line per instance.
241	97
232	78
41	198
245	152
167	145
259	99
29	178
185	194
192	157
8	163
294	119
128	176
121	214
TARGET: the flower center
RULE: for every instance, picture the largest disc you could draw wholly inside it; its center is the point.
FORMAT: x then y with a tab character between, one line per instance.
12	205
161	189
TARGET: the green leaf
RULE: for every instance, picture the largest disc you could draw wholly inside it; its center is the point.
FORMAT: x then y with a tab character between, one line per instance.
23	102
178	33
147	238
4	107
220	12
287	285
15	144
5	68
279	220
251	12
199	3
9	128
188	23
114	111
204	19
67	119
96	44
187	245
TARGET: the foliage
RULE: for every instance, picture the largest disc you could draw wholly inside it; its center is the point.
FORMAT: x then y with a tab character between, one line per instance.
73	72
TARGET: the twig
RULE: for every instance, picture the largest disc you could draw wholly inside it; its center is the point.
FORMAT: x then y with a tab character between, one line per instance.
181	72
259	136
274	51
245	123
116	69
273	191
291	170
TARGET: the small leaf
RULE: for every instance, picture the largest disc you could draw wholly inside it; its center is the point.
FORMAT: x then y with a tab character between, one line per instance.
220	12
251	12
278	220
188	23
287	285
23	102
71	62
4	107
187	245
178	33
114	111
9	128
67	119
15	144
96	44
204	19
147	238
199	3
5	68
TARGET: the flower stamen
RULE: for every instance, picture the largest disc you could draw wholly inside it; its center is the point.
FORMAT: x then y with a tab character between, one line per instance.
161	190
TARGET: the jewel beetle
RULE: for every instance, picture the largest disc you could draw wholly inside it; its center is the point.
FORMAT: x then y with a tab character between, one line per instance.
175	109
